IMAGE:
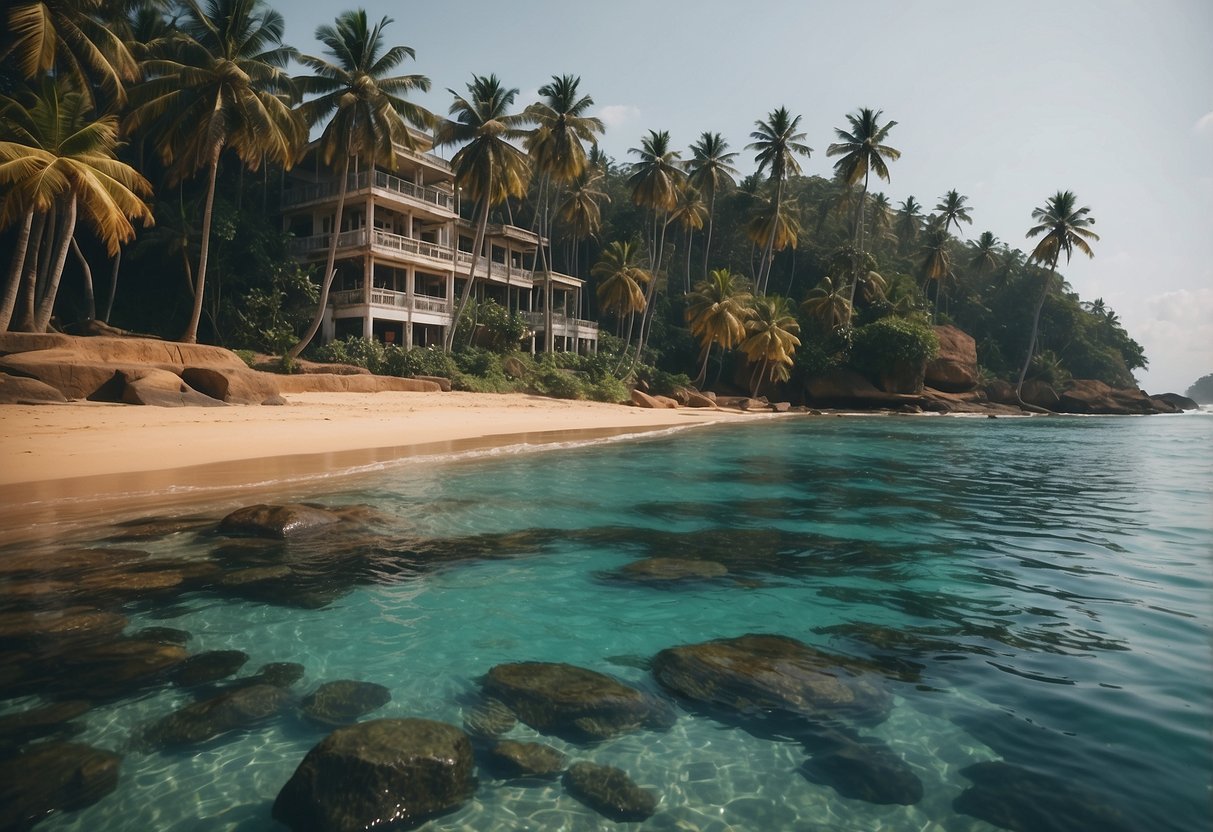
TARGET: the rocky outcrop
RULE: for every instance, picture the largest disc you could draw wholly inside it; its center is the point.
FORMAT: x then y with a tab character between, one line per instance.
610	792
573	702
1088	396
53	777
444	384
642	399
233	385
1176	401
166	355
847	388
511	759
954	369
387	771
319	383
343	702
159	388
771	673
698	399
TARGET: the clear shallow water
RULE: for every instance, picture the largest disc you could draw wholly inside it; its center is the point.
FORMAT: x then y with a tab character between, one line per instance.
1038	590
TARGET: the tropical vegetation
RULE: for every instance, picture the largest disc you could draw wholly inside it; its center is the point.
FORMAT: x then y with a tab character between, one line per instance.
143	146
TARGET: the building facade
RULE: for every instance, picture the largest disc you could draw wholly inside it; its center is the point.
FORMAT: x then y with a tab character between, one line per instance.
403	255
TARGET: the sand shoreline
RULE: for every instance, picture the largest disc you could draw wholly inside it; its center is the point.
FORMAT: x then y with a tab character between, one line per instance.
82	461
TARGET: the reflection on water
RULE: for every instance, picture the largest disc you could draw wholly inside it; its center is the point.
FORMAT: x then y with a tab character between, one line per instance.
1031	597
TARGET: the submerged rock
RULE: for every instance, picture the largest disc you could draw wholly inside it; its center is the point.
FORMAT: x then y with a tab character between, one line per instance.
1015	798
754	674
610	792
118	668
211	666
669	572
512	759
47	720
865	771
388	772
236	709
278	674
489	719
573	702
280	522
164	635
52	777
344	701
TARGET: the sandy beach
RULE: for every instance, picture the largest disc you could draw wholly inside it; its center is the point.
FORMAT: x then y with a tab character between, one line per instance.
81	458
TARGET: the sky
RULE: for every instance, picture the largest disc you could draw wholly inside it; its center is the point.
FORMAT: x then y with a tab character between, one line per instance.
1007	102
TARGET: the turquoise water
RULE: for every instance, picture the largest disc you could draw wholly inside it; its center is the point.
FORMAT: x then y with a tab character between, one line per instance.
1037	590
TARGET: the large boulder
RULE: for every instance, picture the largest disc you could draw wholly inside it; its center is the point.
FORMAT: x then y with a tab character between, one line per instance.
168	355
757	674
281	522
387	772
865	771
344	701
1176	401
642	399
53	777
234	385
511	759
66	371
1089	396
233	710
954	369
573	702
20	390
1039	394
160	388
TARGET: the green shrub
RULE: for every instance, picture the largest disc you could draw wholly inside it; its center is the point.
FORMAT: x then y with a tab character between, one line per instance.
660	382
883	346
607	389
550	380
247	356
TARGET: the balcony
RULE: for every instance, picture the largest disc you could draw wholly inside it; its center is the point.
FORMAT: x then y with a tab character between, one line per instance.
382	241
429	196
563	325
514	275
392	300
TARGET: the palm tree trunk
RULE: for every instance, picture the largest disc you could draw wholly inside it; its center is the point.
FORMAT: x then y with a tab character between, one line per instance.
89	297
860	233
9	300
646	319
686	281
707	243
768	253
191	332
330	263
481	227
702	376
1040	302
35	267
67	229
109	305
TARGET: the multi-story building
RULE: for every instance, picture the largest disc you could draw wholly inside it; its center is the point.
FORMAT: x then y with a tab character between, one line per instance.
403	255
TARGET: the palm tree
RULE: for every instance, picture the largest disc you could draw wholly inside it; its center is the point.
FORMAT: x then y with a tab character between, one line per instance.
717	311
882	217
690	213
936	262
861	151
1065	227
57	159
828	304
488	168
774	226
368	114
709	170
219	81
777	144
557	150
69	36
952	210
579	211
656	180
909	218
621	283
985	253
771	337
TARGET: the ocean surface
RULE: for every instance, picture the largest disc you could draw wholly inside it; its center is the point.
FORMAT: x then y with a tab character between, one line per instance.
1034	591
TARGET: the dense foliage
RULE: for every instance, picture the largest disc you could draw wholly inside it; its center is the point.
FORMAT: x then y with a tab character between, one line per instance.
1202	390
697	270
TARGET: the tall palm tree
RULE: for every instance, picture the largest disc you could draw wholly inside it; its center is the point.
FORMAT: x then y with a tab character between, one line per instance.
219	81
909	218
1065	227
936	262
952	211
717	311
487	167
882	217
580	211
56	158
709	170
774	226
828	305
368	114
691	214
777	144
69	36
621	282
771	341
656	179
985	253
861	151
557	150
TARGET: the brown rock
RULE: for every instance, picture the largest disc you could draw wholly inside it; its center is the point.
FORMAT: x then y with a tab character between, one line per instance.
610	792
525	759
63	370
19	390
954	369
167	355
1039	394
444	384
321	383
280	522
53	777
846	388
161	388
1180	403
234	385
1002	392
697	399
1094	397
640	399
781	407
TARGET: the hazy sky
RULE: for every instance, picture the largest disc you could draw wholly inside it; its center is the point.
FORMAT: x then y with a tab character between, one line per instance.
1006	102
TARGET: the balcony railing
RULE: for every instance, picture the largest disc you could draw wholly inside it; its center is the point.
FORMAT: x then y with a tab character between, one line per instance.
358	181
393	299
382	239
563	324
